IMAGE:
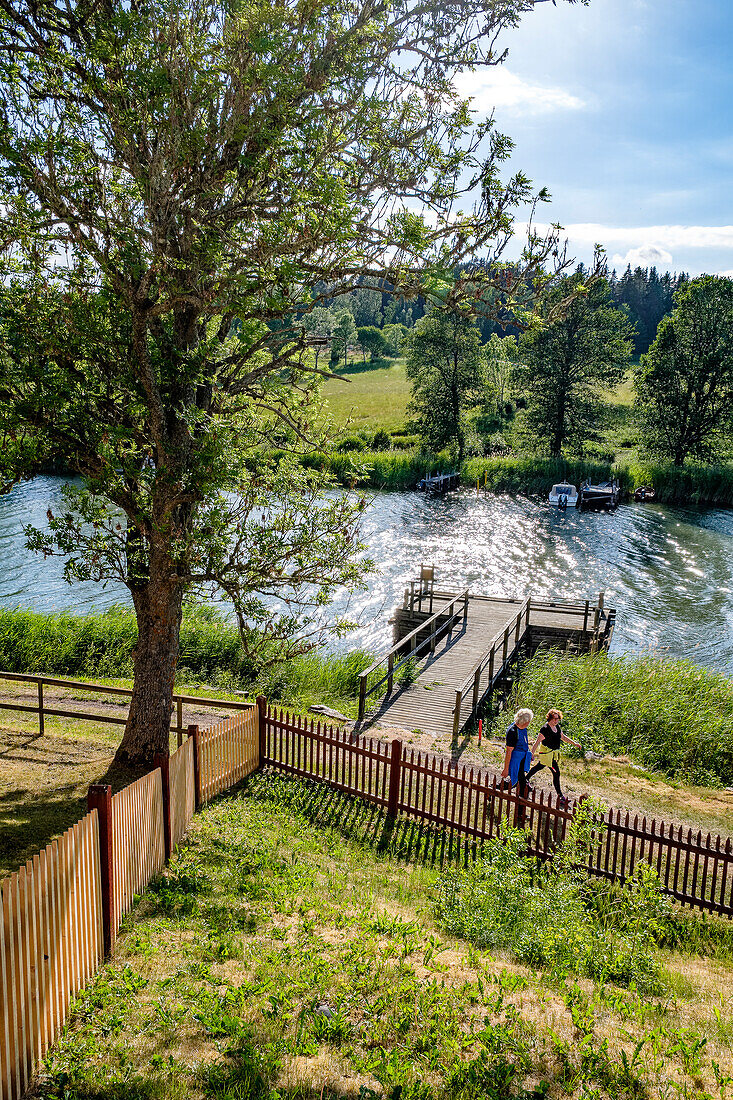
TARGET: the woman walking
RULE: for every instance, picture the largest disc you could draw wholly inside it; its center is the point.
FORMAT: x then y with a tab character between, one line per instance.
517	757
548	740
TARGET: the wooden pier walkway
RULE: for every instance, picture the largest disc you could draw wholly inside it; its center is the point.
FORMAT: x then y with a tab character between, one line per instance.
452	649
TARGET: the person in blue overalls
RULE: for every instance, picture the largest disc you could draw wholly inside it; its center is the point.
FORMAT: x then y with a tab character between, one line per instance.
518	757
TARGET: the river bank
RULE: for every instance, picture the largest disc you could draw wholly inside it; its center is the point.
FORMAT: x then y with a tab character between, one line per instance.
693	483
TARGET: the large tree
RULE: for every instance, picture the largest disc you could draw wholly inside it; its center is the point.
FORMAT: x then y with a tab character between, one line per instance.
178	184
446	368
684	383
565	364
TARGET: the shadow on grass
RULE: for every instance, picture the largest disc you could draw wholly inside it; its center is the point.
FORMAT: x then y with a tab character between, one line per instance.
360	821
363	368
32	818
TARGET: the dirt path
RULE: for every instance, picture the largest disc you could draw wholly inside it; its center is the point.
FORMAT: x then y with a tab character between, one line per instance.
617	781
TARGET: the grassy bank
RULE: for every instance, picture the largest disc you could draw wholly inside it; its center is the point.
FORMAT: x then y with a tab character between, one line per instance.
694	483
299	949
101	645
669	715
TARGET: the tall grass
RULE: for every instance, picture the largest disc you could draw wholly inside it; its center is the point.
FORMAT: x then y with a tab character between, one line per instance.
101	645
669	715
533	473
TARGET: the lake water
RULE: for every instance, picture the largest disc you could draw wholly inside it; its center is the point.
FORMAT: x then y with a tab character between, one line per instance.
668	571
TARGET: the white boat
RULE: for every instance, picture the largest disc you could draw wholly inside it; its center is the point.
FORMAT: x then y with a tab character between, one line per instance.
564	495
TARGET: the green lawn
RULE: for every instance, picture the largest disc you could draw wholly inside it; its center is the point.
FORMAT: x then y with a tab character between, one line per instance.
298	948
371	398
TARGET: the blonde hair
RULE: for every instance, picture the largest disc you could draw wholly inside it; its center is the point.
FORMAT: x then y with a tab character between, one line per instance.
523	716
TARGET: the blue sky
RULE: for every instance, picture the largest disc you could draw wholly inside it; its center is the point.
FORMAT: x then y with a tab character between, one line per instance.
624	110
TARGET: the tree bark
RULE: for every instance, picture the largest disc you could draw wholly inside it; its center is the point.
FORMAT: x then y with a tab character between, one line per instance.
158	608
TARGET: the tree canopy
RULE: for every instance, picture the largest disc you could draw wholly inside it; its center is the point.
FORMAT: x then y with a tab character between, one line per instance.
445	365
565	364
178	183
684	383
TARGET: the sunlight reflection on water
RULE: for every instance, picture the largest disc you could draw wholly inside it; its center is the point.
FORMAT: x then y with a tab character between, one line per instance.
668	571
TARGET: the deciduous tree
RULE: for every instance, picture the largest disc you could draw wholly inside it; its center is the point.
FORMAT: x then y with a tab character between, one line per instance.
684	383
446	367
178	183
565	365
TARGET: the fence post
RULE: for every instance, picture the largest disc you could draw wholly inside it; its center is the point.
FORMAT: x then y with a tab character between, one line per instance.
162	760
476	687
179	722
506	647
585	616
457	713
99	798
40	708
390	672
362	695
262	726
193	731
395	774
465	610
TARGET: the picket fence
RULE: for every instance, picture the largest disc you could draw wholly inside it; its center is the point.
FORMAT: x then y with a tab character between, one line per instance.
61	912
695	869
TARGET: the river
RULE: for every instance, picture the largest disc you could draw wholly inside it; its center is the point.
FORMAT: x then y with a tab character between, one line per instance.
668	570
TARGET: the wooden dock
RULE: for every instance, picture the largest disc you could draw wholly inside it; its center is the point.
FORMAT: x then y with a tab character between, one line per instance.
451	650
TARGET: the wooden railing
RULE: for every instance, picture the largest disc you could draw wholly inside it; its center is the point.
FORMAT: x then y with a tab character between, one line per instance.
441	622
499	646
42	710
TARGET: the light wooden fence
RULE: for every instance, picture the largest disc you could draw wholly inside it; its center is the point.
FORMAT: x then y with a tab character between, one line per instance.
228	752
182	787
51	945
61	912
138	844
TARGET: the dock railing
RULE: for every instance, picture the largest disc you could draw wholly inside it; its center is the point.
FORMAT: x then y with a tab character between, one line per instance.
441	622
495	660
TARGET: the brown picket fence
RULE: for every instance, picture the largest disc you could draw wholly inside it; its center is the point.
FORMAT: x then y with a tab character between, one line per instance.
694	869
51	945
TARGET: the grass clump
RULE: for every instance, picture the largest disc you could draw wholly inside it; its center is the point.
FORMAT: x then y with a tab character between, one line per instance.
548	915
670	715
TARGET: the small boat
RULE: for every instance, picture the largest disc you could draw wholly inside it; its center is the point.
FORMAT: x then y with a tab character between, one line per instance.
605	495
644	493
564	496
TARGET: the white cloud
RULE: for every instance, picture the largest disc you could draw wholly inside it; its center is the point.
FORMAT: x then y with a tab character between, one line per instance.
646	255
499	87
670	238
725	274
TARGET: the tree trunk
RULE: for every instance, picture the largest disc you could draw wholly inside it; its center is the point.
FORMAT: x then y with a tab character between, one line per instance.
158	608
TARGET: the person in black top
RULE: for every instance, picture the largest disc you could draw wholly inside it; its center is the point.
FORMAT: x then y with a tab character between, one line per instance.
548	741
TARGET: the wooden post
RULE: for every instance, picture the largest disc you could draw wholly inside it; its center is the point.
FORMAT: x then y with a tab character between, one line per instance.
262	726
395	770
99	798
596	618
517	627
465	610
529	606
362	695
162	760
601	599
193	731
491	666
476	687
585	616
457	714
179	721
506	647
41	724
390	667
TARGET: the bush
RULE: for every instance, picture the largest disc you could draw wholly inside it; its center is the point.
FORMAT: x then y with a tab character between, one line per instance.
544	914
